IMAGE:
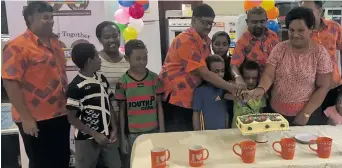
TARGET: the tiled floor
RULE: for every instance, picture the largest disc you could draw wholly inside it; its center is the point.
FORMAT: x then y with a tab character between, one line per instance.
6	117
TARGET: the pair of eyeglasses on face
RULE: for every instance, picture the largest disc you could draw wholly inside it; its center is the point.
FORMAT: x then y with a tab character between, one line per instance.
206	22
254	22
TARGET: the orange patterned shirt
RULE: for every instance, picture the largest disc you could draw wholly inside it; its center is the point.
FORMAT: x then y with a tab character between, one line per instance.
330	36
253	49
41	73
187	53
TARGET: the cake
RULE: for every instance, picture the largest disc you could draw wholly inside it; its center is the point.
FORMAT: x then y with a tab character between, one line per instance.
260	123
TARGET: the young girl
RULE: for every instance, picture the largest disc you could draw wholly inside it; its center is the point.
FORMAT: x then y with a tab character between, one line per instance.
334	113
250	73
220	44
209	105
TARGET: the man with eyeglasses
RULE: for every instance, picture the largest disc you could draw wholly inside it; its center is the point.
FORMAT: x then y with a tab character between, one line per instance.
185	68
255	44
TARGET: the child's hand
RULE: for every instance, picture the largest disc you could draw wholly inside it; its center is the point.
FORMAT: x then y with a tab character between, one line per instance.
124	145
228	96
101	139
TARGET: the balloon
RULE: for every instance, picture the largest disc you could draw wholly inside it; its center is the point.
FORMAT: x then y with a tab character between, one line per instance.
122	49
121	16
124	8
137	24
142	2
248	5
126	3
273	13
256	2
130	33
136	11
146	6
272	25
267	4
122	27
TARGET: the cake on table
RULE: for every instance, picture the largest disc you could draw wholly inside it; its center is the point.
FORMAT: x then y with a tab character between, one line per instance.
261	123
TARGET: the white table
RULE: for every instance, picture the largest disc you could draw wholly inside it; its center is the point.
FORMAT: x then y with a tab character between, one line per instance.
220	142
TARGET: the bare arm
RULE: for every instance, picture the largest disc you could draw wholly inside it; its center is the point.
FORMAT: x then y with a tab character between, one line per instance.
267	77
122	117
77	123
113	118
196	120
235	72
160	114
16	97
323	82
116	111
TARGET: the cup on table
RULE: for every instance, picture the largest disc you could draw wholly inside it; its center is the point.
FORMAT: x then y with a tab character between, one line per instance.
248	149
323	146
288	147
196	156
159	156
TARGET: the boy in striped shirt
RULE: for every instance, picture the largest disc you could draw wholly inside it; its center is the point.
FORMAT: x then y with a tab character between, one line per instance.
90	111
139	94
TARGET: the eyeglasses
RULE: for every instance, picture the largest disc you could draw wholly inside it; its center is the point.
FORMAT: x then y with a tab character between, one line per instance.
206	22
255	22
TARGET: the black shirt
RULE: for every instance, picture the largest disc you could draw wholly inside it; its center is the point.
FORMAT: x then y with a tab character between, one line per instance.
90	97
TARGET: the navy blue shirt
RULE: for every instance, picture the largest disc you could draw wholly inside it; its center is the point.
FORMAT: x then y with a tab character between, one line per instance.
210	101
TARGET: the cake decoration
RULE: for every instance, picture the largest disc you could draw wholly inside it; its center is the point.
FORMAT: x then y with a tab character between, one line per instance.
260	123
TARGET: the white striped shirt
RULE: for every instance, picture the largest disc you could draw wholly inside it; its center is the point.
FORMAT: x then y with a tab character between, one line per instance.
113	71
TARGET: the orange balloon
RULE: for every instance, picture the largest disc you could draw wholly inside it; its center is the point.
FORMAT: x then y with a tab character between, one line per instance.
249	4
273	13
142	2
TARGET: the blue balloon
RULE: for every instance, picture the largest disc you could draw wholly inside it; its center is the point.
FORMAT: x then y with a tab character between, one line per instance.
126	3
146	6
272	25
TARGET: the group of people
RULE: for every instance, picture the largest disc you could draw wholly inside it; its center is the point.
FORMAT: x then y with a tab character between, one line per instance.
114	98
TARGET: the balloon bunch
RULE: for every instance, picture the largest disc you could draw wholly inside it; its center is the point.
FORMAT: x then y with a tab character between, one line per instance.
129	17
271	10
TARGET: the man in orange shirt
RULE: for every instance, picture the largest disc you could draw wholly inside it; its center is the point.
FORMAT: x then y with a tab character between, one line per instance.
185	68
329	34
255	44
35	79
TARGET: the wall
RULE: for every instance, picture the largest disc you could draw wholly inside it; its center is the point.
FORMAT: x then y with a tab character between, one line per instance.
226	7
332	4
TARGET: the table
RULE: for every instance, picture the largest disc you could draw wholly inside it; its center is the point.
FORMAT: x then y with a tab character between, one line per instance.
7	124
220	142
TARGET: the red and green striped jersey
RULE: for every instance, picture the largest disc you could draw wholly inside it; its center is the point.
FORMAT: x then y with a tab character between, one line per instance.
140	97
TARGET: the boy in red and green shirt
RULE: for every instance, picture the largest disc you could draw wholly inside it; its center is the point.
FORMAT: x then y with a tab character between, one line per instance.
139	93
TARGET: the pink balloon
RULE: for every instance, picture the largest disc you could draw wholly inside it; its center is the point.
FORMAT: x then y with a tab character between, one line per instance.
136	11
124	8
256	2
121	16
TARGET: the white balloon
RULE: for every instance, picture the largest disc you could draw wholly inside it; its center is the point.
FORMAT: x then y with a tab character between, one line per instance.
137	24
